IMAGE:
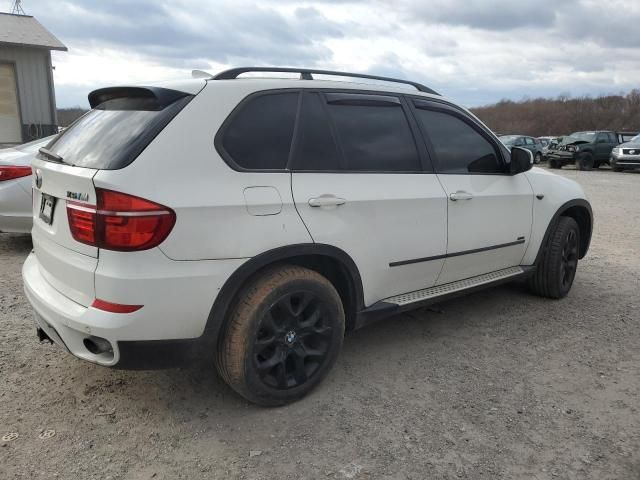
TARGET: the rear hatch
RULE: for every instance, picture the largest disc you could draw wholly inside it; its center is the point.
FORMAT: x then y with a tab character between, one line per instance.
122	122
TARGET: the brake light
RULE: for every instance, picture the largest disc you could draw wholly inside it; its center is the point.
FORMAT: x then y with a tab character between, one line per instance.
114	307
120	222
13	172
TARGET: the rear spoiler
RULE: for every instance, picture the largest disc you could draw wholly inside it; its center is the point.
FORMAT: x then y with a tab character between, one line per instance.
157	96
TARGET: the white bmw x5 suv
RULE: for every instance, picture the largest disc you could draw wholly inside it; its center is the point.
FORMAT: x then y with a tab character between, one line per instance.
256	220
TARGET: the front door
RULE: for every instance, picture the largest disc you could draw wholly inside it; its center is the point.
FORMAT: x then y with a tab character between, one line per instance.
361	183
489	210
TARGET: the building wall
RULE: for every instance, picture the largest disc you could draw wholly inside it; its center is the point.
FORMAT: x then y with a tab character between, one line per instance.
35	89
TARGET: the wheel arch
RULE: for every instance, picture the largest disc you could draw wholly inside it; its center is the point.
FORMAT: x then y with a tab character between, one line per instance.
578	209
333	263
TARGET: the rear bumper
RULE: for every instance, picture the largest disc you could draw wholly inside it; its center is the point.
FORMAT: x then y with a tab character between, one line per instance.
164	333
15	223
64	321
15	207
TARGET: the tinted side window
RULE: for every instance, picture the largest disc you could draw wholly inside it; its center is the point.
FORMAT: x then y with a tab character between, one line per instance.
315	147
374	137
459	148
259	135
612	138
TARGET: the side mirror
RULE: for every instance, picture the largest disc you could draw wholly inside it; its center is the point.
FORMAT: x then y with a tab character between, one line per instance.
521	160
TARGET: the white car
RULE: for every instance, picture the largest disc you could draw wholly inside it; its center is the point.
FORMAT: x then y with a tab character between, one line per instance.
255	220
15	186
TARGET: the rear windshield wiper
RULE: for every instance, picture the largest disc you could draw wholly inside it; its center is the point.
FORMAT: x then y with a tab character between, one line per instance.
50	155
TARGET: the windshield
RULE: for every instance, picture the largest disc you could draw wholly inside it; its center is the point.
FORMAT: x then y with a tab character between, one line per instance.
114	133
635	139
509	139
580	137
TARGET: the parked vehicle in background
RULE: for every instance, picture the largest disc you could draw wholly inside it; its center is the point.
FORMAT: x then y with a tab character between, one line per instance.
263	235
546	142
587	150
530	143
626	156
15	186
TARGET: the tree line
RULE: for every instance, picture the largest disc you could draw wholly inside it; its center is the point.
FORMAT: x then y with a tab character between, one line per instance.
563	115
66	116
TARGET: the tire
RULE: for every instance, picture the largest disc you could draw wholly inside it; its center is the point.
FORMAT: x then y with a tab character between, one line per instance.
271	351
537	158
557	269
584	161
554	164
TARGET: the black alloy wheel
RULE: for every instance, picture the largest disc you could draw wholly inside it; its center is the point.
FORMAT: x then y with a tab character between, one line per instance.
283	335
293	340
569	263
556	270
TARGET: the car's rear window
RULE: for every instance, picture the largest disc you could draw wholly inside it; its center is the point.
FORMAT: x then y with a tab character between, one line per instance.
115	132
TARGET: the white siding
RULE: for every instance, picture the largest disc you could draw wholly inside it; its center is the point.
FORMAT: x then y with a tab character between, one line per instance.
35	93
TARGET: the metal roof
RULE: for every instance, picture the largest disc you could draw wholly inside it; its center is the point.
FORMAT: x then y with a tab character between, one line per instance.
24	30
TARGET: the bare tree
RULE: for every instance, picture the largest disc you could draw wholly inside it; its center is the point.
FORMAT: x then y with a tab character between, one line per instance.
563	115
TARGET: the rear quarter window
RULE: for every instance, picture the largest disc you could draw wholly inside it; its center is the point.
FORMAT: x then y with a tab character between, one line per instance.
258	135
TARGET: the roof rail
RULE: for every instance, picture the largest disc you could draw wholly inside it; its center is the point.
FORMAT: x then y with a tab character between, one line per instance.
307	74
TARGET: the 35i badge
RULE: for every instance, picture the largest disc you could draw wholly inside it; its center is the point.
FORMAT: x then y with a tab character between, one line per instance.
83	197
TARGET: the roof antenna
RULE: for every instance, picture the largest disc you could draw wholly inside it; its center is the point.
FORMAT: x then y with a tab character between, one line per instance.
17	8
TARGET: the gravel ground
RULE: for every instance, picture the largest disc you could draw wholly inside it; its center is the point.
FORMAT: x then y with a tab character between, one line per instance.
500	384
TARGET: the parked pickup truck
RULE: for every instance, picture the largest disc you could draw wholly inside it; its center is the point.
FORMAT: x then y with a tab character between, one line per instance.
587	150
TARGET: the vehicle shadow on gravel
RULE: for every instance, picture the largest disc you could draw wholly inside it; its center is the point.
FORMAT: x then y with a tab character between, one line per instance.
196	390
11	243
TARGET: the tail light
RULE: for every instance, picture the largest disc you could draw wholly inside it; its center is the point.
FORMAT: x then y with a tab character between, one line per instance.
13	172
120	222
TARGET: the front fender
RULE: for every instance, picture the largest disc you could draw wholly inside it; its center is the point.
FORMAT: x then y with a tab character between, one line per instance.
553	196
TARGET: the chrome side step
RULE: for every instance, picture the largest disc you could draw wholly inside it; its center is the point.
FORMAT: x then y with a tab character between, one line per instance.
448	288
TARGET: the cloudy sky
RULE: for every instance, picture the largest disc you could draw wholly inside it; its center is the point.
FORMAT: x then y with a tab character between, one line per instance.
474	51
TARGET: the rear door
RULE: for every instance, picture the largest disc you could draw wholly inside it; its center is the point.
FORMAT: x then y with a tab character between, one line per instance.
362	183
489	210
603	147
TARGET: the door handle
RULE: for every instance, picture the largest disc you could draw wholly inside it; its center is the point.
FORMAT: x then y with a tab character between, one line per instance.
326	200
460	195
